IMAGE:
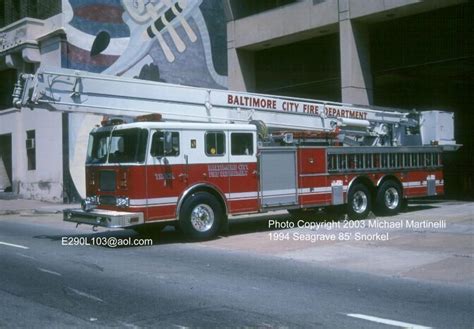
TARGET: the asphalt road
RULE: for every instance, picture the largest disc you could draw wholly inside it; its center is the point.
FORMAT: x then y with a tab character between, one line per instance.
174	284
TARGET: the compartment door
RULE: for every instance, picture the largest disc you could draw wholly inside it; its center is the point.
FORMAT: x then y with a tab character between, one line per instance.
278	177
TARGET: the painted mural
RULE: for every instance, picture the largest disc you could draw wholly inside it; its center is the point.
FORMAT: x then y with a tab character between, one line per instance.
173	41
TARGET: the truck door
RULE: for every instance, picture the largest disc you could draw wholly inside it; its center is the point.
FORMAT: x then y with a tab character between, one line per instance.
243	178
165	174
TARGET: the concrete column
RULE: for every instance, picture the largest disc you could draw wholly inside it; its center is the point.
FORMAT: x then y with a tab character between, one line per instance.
241	64
18	153
356	75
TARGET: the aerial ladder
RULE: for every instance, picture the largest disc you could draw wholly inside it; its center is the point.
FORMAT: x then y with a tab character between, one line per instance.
65	90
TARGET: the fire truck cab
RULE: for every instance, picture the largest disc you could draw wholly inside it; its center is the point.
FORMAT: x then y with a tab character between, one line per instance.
159	171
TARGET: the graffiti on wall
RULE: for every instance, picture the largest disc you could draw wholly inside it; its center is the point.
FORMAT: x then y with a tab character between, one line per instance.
184	40
173	41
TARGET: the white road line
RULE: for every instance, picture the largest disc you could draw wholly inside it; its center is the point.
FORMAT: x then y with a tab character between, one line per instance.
26	256
48	271
129	325
387	321
84	294
13	245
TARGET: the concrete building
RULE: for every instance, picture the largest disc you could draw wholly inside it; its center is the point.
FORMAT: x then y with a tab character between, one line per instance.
42	154
396	53
31	142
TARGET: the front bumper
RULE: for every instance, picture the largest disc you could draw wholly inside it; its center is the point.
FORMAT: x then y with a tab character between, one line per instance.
105	218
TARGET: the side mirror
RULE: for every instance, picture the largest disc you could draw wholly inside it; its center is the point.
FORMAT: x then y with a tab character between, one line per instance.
168	142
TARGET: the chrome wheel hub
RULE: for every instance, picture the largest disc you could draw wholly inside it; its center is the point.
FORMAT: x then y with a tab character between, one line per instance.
359	202
202	218
392	198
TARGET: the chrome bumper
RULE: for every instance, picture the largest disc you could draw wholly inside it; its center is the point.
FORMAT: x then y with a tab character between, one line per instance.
105	218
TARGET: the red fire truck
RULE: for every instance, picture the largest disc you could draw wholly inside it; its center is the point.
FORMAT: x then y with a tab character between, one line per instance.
192	156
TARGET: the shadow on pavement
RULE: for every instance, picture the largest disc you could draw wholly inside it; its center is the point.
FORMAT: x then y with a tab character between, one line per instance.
241	226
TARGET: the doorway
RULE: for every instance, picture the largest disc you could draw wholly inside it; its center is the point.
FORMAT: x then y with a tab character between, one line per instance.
6	165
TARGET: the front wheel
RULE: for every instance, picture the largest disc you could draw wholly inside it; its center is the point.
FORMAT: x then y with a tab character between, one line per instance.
358	202
201	216
389	198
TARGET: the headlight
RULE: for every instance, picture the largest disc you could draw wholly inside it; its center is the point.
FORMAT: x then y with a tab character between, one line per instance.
122	202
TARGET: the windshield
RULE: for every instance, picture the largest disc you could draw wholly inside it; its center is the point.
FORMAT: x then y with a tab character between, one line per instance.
122	146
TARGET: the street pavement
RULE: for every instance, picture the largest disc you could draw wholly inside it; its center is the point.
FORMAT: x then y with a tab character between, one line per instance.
443	254
254	277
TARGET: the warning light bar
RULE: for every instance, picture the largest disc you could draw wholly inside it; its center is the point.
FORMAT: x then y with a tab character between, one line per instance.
111	122
153	117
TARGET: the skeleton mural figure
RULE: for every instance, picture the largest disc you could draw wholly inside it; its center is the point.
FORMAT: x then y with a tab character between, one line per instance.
115	37
162	40
147	21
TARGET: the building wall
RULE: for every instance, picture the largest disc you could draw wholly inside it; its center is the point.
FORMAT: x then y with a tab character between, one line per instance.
290	22
401	53
191	51
45	182
37	173
323	49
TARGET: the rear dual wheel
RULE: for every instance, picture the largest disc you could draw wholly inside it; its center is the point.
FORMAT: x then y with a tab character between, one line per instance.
388	201
359	202
389	198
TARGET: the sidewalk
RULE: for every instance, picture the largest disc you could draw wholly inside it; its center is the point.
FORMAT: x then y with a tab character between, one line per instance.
10	205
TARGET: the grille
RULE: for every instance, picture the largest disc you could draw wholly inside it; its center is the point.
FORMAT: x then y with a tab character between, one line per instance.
108	200
107	181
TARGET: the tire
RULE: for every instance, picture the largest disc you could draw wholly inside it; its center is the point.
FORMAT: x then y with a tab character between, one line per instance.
389	198
359	202
201	216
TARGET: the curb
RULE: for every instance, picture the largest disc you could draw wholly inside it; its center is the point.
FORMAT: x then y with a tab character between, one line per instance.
29	212
37	211
8	212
